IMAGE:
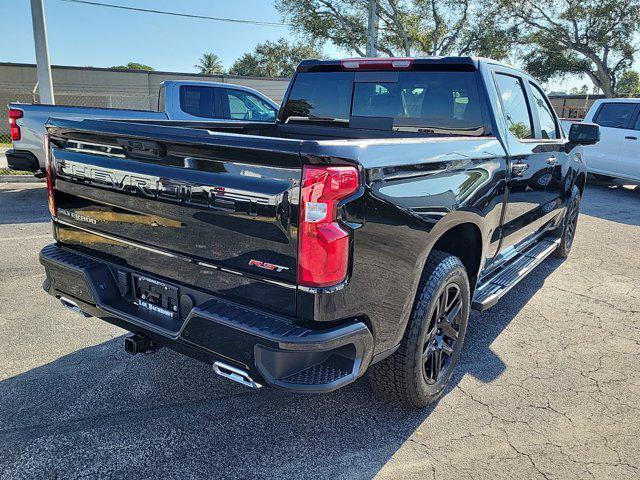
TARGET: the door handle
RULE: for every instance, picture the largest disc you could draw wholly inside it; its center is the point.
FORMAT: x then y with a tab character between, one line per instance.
519	168
552	160
631	138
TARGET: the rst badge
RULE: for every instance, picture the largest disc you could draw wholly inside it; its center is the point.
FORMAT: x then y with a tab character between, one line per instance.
267	266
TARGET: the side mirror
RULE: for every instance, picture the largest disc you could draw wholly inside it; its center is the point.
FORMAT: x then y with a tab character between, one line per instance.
584	133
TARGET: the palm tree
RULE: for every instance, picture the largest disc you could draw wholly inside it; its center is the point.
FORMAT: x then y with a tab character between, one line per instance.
209	64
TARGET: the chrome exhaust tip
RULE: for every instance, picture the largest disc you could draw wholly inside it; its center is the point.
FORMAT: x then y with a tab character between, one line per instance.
73	306
235	374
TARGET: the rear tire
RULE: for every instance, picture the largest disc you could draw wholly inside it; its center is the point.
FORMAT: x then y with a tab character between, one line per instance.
419	371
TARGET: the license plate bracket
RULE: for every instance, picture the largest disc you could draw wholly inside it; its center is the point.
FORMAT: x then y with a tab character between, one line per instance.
156	296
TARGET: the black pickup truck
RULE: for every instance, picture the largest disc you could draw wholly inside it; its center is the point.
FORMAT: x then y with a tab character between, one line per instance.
352	235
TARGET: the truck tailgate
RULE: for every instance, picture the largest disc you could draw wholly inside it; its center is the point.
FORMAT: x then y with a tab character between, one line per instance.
194	206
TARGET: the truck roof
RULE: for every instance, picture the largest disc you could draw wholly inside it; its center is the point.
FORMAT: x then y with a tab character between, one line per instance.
206	83
464	62
617	100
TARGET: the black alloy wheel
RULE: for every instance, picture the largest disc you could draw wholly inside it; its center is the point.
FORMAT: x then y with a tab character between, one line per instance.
567	230
442	334
572	221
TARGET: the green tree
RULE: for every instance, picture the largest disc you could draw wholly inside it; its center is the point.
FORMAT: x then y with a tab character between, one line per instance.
406	27
583	90
133	66
584	37
209	64
629	84
273	59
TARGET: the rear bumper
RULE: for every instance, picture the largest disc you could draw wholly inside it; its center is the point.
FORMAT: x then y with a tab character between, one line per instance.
271	348
22	160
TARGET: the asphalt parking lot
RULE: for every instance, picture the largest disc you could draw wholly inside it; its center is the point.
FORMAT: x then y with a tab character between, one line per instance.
549	386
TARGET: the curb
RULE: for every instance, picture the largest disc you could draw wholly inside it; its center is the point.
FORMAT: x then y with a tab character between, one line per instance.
20	179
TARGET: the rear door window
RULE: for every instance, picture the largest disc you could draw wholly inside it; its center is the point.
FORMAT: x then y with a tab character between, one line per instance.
514	104
199	101
614	114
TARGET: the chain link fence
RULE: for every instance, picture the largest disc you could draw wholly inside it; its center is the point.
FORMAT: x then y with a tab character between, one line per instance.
72	98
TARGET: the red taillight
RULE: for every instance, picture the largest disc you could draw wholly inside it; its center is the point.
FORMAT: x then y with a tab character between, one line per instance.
397	63
323	243
46	142
14	115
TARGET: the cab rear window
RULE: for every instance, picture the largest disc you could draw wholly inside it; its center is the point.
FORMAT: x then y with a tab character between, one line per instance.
444	102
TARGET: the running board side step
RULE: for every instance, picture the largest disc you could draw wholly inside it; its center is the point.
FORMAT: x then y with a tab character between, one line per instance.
504	279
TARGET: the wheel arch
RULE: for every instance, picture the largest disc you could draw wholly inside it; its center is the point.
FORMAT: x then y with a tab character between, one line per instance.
452	234
463	240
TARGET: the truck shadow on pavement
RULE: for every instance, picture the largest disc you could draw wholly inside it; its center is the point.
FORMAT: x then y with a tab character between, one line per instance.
99	412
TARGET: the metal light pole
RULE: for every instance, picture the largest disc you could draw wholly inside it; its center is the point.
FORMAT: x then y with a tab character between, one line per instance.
42	52
372	36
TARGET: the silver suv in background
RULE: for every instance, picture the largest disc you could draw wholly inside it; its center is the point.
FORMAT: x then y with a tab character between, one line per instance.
177	100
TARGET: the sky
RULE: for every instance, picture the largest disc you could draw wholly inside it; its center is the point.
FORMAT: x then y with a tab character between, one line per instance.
103	37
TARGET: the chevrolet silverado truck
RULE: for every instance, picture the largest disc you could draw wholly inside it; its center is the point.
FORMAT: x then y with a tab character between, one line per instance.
352	235
177	100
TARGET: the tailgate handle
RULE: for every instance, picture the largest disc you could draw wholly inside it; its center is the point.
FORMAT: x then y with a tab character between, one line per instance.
141	148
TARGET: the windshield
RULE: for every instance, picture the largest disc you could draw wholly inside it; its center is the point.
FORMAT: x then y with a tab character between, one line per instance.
423	101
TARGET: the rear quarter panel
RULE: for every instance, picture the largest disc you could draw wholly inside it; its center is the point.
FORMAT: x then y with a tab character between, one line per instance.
414	191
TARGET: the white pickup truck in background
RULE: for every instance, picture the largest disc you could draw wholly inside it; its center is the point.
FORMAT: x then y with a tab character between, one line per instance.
617	155
177	100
